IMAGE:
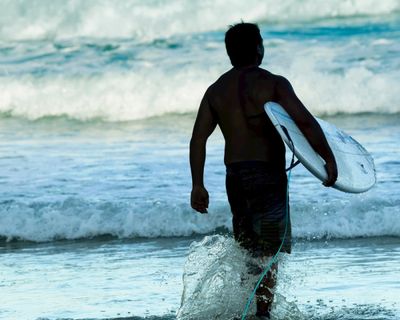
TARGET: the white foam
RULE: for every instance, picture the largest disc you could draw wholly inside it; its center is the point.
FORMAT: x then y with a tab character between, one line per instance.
146	20
328	83
157	83
76	218
147	92
364	216
110	97
356	89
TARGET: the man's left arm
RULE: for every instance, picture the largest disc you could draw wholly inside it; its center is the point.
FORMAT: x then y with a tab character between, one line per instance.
204	125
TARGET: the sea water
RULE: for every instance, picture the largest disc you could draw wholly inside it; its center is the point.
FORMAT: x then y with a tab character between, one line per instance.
97	104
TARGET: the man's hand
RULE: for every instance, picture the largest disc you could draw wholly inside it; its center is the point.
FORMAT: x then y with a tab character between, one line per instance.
199	199
332	172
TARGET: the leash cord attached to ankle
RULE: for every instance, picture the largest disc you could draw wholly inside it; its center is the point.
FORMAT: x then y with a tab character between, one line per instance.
274	258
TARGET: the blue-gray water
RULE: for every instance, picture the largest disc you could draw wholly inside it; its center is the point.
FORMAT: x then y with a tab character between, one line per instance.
97	103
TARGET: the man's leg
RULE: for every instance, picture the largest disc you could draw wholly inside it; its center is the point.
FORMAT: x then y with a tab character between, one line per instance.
267	199
265	292
258	202
242	224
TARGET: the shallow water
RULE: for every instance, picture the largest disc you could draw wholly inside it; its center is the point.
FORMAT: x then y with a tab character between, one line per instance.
111	278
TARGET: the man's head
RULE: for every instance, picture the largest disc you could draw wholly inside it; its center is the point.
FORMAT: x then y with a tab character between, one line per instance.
244	44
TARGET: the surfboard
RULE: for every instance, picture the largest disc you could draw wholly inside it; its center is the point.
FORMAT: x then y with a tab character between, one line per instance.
356	170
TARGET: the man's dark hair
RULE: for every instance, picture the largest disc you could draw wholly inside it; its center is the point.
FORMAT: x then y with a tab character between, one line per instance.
241	41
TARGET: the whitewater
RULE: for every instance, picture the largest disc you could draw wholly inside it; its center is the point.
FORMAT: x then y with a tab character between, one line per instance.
97	105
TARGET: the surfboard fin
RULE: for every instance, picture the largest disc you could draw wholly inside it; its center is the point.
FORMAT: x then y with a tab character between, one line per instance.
292	163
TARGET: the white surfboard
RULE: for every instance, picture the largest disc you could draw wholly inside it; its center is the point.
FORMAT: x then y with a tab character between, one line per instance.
356	170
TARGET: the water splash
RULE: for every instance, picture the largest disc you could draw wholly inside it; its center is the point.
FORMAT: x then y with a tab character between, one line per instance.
215	280
218	279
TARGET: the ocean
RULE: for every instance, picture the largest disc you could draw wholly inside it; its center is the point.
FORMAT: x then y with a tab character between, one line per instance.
97	104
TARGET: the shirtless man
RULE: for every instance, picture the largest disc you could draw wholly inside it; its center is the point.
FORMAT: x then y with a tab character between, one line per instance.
256	180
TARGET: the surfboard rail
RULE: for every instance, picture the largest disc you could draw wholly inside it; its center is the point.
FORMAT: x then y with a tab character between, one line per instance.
356	169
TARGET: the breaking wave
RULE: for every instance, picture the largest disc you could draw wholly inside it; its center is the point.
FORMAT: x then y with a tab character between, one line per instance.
75	218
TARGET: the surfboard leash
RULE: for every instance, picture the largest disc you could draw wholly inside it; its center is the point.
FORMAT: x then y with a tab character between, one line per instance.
293	163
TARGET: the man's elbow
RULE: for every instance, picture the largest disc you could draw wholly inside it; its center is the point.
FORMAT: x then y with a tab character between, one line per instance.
307	123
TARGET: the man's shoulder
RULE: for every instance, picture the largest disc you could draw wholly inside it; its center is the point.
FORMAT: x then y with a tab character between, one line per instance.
222	78
278	82
258	77
215	87
269	76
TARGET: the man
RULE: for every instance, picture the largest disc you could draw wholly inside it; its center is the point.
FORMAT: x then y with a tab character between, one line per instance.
256	180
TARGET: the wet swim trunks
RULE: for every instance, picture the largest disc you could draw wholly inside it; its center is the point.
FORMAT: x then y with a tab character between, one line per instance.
257	196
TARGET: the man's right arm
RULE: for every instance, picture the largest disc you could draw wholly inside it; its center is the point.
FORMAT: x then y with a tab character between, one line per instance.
203	127
307	125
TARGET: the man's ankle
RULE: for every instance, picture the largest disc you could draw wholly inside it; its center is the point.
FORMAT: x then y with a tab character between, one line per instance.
263	315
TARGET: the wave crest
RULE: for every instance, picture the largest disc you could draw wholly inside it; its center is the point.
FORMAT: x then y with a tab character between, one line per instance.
122	96
147	20
75	218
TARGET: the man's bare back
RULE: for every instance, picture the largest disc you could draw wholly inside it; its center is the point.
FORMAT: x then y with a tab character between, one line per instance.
236	101
237	98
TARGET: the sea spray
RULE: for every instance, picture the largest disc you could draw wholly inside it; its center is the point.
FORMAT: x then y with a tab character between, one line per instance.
216	280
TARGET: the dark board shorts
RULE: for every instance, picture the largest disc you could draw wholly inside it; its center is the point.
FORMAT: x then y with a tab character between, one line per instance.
257	194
